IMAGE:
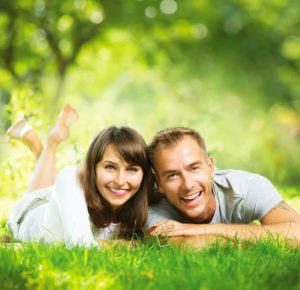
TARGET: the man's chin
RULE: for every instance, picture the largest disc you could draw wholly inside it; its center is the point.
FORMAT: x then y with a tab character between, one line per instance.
193	216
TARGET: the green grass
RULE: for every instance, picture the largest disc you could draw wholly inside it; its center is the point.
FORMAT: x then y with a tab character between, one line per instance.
264	265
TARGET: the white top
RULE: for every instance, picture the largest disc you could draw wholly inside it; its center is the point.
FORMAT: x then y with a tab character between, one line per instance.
57	213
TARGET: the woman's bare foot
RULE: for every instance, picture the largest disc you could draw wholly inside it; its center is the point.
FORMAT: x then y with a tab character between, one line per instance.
22	130
67	117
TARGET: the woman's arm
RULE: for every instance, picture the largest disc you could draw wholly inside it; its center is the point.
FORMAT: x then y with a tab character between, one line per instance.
73	209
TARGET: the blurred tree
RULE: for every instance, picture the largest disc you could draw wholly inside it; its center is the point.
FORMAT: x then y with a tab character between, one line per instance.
226	68
46	35
257	42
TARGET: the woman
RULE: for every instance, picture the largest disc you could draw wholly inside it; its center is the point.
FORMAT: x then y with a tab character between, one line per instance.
107	196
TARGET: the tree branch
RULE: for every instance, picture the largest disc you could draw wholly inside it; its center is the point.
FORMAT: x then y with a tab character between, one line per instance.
10	49
81	40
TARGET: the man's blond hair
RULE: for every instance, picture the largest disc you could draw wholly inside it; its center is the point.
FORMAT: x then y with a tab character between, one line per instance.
170	137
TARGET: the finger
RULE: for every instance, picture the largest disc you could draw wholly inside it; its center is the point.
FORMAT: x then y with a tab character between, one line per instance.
160	223
170	231
149	231
159	231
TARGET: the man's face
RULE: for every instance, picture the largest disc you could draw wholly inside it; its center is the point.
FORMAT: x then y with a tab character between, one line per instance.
184	175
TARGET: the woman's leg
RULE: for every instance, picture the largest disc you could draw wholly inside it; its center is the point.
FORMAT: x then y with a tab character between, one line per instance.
22	130
45	172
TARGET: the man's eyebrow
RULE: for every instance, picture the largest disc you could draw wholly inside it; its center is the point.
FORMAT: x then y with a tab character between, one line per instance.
172	171
169	172
195	163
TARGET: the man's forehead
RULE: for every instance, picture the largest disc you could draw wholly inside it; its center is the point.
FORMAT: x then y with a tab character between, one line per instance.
185	150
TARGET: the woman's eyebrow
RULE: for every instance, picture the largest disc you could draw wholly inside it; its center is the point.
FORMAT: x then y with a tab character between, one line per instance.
110	161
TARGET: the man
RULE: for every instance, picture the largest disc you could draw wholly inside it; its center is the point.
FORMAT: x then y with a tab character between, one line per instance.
202	201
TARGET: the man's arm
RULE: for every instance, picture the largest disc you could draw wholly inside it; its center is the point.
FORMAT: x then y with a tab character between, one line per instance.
281	221
281	213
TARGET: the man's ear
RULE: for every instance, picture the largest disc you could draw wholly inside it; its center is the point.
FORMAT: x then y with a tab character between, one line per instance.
157	183
211	164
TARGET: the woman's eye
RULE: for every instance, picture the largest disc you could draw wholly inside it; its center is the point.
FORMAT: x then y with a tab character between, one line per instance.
109	167
132	169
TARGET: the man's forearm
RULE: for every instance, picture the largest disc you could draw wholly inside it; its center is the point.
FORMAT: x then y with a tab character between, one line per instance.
290	231
202	236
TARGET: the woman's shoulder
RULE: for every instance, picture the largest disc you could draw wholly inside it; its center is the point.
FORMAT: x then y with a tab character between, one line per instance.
68	174
69	171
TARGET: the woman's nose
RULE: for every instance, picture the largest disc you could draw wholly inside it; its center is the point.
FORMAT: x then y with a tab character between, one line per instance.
121	177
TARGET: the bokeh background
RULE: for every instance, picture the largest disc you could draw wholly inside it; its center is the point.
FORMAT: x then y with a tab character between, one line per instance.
229	69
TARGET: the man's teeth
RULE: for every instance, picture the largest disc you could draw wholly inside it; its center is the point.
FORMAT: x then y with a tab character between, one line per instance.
191	197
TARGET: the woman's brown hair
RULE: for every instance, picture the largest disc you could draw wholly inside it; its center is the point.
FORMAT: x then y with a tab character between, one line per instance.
131	146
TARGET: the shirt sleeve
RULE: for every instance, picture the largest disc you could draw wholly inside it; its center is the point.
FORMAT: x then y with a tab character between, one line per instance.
73	209
262	196
160	212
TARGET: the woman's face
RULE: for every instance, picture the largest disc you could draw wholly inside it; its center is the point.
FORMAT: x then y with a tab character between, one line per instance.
117	181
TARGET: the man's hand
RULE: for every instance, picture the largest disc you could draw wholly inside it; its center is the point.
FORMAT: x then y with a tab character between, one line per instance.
172	228
185	235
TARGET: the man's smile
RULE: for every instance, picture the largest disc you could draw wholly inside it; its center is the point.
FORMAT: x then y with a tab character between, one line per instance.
189	199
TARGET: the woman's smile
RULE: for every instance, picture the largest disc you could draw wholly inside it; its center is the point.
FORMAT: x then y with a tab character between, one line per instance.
118	191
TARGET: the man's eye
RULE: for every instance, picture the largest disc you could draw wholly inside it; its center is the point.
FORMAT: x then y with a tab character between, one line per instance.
195	167
171	176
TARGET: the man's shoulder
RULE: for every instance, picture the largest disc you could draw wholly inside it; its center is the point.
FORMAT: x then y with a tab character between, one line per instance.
245	196
233	174
163	204
158	212
238	181
162	211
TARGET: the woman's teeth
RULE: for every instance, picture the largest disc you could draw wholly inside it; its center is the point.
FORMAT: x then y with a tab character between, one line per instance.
118	191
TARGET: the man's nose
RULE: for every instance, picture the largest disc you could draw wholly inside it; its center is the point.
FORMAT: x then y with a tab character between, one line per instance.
187	181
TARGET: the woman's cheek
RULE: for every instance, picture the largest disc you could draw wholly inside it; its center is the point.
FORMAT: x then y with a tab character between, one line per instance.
103	176
137	180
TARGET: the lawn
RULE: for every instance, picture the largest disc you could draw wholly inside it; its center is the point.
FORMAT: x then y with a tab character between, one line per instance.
150	265
266	264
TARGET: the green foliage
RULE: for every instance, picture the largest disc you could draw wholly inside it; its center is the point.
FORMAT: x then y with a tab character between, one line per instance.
229	69
150	266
